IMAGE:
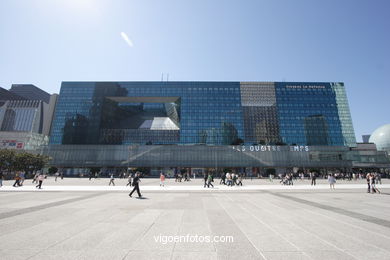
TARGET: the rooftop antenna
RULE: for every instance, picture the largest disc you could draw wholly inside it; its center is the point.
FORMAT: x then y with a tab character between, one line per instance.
162	76
168	77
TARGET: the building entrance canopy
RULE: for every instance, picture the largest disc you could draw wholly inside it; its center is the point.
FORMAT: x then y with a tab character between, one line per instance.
198	156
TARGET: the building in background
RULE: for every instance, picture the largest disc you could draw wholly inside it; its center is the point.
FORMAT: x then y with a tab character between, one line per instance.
8	95
25	121
30	92
250	126
381	137
214	113
366	138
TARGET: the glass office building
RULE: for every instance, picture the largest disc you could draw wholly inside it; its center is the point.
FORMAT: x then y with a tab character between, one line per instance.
214	113
201	124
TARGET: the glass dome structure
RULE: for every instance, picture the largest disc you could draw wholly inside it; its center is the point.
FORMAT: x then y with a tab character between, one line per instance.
381	137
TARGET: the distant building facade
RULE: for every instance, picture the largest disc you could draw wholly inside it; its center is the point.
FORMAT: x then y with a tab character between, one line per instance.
163	125
25	121
8	95
366	138
30	92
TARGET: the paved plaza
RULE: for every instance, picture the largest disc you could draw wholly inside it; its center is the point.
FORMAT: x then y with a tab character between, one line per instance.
272	223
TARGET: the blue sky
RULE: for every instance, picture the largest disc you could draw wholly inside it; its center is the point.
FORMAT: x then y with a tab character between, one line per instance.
44	42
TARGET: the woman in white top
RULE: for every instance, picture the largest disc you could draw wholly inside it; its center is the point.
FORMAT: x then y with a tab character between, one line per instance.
331	181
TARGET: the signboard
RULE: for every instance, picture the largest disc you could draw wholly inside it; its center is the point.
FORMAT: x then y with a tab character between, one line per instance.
269	148
11	144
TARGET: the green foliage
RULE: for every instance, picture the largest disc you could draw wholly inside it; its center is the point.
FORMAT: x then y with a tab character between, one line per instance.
7	159
52	170
22	161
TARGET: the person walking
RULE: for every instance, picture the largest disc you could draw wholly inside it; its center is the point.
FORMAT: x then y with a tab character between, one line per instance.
40	178
223	178
186	176
129	180
229	179
57	174
111	180
239	180
313	178
209	181
17	180
136	182
22	178
373	183
1	178
35	179
234	177
205	178
162	179
368	182
378	178
331	181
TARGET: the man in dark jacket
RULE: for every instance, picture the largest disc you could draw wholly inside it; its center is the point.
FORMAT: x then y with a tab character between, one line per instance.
205	177
223	178
313	178
136	181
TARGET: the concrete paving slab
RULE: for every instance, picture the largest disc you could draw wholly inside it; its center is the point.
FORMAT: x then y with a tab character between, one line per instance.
264	224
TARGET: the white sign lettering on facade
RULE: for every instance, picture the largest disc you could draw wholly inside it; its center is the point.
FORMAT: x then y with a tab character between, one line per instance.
269	148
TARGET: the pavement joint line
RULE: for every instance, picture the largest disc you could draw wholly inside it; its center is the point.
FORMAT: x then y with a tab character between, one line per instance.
335	230
272	229
58	242
355	215
180	226
142	235
303	229
346	223
22	211
208	225
238	226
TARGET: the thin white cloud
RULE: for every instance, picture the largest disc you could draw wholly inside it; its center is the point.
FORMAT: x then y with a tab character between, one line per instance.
126	39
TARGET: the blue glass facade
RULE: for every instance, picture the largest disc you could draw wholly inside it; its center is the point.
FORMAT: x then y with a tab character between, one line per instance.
215	113
308	114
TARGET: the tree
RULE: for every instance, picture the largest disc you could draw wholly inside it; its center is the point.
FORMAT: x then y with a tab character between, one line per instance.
7	159
22	161
29	162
